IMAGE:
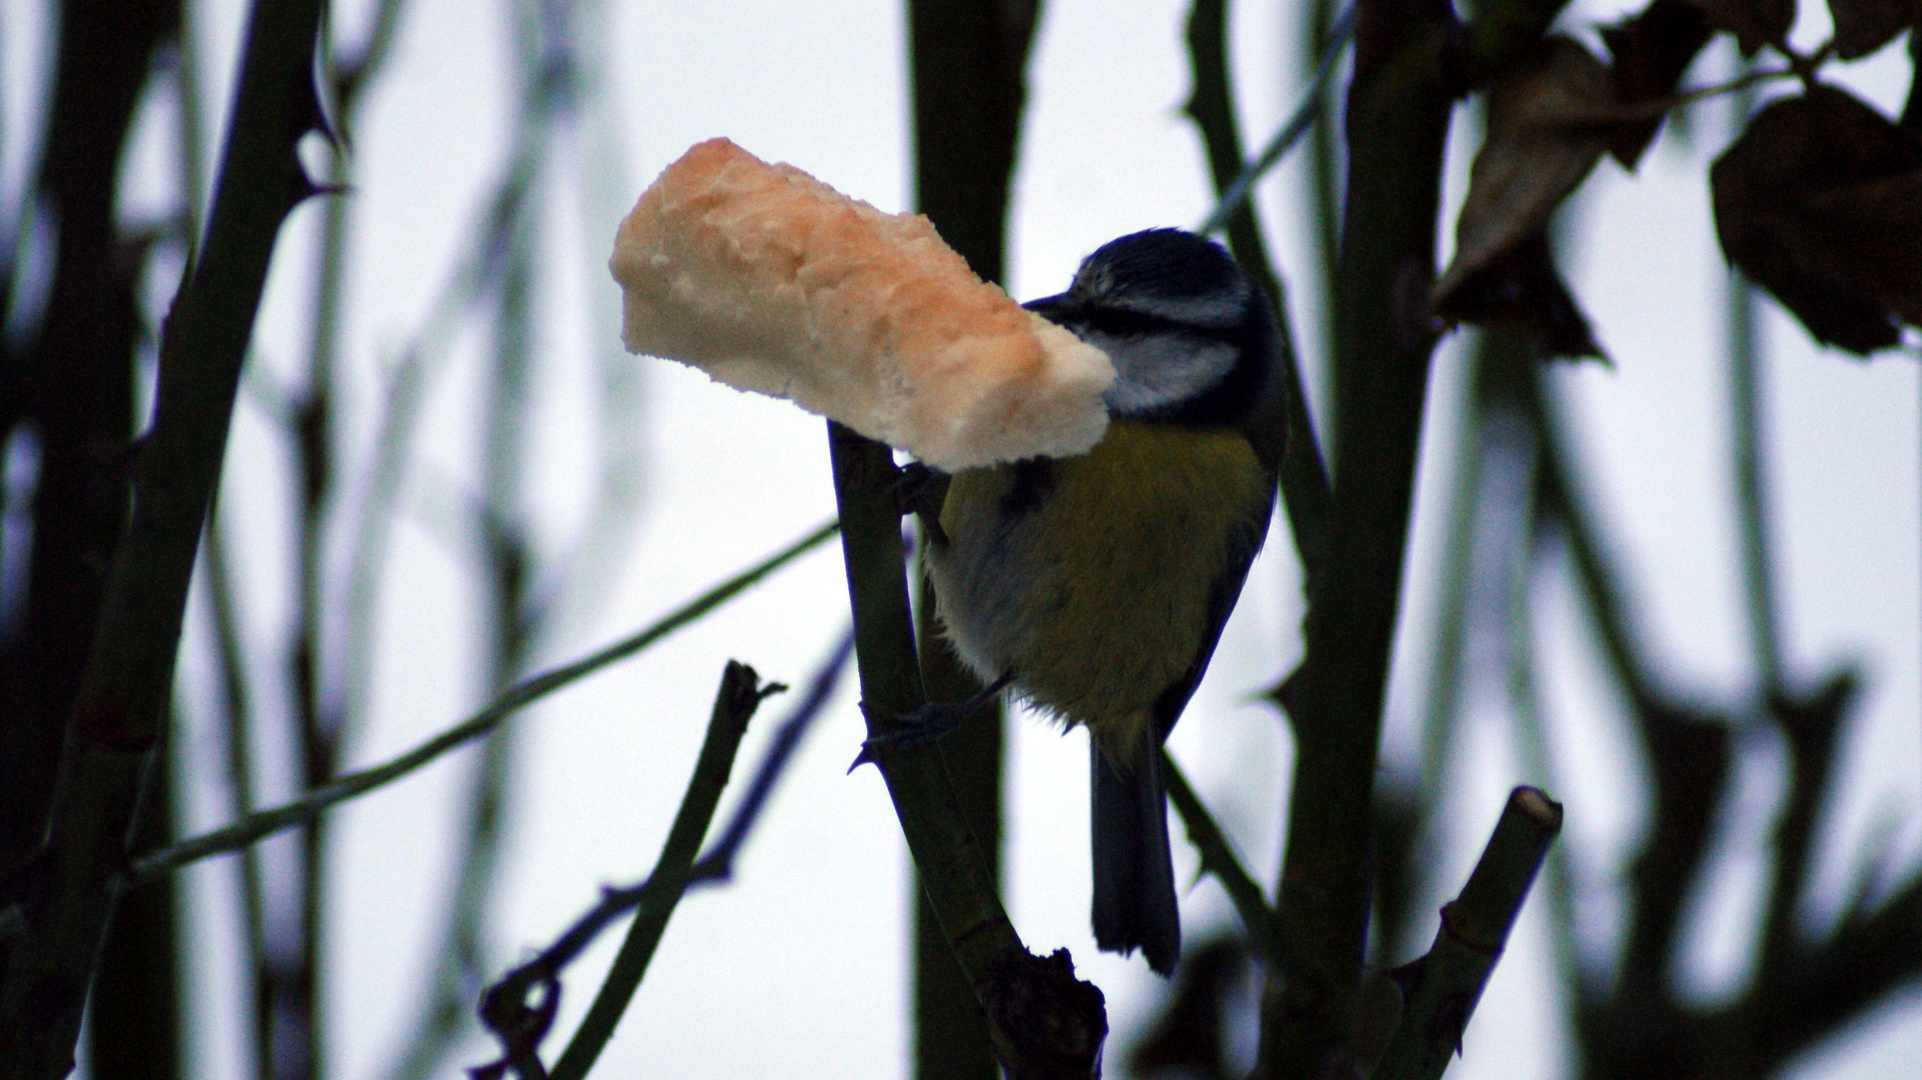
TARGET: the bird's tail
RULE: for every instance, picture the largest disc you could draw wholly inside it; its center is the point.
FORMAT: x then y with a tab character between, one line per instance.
1134	876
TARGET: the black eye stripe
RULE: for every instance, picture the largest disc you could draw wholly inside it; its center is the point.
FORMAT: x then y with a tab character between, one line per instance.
1128	322
1193	340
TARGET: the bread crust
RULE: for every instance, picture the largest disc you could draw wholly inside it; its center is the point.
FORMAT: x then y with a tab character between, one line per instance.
771	281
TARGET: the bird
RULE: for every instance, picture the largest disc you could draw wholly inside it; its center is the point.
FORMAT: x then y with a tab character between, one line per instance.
1095	587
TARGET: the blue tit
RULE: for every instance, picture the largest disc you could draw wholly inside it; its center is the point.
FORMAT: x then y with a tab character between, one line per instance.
1096	586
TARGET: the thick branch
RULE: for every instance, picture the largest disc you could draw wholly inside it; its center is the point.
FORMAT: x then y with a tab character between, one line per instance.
969	63
117	718
1398	112
1042	1022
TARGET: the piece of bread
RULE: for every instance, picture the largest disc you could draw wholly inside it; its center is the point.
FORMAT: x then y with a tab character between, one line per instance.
771	281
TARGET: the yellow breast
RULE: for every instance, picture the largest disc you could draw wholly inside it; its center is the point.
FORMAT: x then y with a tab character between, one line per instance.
1094	586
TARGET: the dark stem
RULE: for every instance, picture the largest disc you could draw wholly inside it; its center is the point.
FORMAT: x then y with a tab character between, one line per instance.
740	694
1398	111
508	995
1441	989
1042	1022
969	64
117	720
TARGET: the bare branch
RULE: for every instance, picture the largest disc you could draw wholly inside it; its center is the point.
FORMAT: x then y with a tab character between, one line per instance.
519	696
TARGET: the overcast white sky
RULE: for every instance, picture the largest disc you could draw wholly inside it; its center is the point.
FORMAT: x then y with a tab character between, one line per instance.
799	967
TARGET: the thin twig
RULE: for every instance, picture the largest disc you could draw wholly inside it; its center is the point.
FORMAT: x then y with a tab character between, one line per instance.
1291	132
1686	748
1441	988
374	525
1656	108
288	1019
741	693
477	276
519	696
1756	549
1035	1009
1218	858
1322	217
1532	734
238	715
354	71
1304	472
193	154
1526	708
1806	66
601	191
1443	693
716	866
1563	500
506	565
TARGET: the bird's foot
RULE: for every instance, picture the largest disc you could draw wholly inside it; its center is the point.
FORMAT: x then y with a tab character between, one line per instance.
927	723
920	490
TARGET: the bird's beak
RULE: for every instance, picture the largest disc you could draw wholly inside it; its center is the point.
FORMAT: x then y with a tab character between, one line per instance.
1050	308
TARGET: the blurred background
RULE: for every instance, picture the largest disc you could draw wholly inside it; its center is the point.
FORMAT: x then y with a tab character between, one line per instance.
445	475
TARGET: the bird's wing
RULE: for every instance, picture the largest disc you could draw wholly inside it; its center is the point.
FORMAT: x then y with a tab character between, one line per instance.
1221	602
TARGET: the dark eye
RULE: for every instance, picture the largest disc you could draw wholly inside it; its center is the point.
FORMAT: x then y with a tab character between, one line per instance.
1092	280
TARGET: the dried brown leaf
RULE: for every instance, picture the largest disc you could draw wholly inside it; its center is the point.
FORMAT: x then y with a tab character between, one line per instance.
1522	292
1541	143
1820	201
1648	55
1754	23
1863	26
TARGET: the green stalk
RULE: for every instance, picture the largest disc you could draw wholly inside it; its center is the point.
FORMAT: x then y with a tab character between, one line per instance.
1398	112
1442	988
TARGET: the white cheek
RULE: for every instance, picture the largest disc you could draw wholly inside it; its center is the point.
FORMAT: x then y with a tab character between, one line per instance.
1155	371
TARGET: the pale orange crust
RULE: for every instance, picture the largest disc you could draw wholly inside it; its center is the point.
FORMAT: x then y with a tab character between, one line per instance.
771	281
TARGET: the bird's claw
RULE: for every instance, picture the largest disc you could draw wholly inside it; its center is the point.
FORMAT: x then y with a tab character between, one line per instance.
920	490
926	724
